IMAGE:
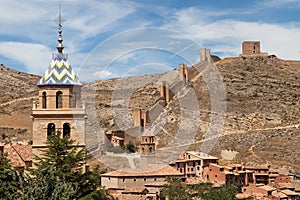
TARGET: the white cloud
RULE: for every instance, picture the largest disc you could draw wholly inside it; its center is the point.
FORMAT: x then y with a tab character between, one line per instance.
103	74
98	16
35	57
227	34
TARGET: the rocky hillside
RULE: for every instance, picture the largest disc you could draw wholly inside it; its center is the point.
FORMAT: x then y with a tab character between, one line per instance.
262	110
261	123
18	90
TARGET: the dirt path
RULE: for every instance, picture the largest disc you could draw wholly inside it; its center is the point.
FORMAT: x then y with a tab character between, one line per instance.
251	150
16	100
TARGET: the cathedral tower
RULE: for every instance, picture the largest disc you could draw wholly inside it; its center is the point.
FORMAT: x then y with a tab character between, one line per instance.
59	107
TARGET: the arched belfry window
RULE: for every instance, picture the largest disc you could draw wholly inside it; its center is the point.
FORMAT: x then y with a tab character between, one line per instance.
66	130
50	129
59	99
44	100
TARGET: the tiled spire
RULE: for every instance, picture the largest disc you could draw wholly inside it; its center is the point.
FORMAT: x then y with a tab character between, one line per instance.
60	71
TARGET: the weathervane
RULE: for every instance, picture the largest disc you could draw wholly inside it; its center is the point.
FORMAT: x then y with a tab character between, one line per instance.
59	21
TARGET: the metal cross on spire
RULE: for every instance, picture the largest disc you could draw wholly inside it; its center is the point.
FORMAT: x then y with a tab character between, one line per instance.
59	21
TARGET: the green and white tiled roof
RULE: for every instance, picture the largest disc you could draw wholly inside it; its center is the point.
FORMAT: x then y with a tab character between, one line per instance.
59	72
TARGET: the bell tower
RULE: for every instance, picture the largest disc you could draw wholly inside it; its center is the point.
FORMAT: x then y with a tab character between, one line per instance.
59	107
147	145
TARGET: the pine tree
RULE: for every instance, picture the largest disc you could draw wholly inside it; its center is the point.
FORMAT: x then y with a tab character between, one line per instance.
9	179
58	173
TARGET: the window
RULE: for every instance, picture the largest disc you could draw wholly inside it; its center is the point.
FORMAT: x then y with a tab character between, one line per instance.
143	149
150	149
66	130
154	179
145	179
142	125
50	129
44	100
134	179
123	179
59	99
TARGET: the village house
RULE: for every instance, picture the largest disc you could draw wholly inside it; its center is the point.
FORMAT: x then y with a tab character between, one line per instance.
192	163
282	188
261	173
138	182
231	174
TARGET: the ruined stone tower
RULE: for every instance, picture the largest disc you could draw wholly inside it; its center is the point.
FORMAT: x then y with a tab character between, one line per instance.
251	47
59	107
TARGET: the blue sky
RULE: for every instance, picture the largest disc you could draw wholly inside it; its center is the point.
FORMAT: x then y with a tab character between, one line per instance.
113	38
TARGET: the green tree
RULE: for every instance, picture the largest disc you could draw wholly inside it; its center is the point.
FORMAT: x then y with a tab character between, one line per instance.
9	179
200	190
204	191
130	147
175	190
58	173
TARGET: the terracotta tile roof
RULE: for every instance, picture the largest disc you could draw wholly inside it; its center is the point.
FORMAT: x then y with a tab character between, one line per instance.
193	181
242	195
155	184
25	151
285	185
278	194
151	170
263	166
289	192
279	171
18	154
267	188
13	156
